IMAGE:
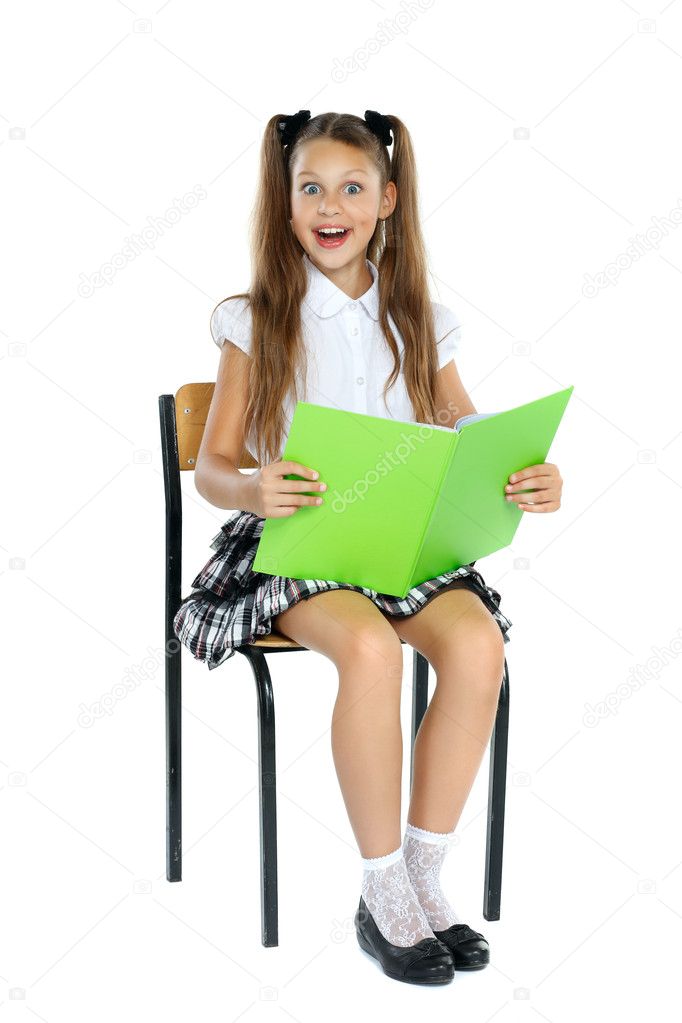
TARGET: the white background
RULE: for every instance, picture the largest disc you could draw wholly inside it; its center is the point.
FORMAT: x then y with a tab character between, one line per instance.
547	139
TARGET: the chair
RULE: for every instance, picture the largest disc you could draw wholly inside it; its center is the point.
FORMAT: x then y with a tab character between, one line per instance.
182	420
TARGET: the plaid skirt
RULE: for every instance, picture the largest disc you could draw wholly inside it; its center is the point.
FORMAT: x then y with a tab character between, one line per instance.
231	606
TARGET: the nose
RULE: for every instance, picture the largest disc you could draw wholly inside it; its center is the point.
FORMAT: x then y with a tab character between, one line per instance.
326	212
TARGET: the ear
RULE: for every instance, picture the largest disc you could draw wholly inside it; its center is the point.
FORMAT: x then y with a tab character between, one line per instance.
389	198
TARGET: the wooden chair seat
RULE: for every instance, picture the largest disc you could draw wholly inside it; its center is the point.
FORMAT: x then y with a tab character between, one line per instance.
276	639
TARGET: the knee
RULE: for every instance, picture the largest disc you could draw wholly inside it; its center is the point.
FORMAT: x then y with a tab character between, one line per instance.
478	650
372	651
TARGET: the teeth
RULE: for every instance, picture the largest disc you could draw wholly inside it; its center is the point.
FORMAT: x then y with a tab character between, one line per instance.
331	230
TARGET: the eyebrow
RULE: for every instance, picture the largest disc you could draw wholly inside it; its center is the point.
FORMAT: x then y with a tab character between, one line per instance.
353	170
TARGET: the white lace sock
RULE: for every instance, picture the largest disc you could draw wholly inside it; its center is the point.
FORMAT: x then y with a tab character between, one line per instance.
391	900
424	853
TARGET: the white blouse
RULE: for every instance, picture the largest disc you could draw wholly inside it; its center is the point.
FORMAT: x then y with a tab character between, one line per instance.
348	358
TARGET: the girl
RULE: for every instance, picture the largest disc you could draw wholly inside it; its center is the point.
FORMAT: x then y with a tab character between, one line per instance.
339	305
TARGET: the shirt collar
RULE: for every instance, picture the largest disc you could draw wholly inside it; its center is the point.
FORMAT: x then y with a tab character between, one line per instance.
325	299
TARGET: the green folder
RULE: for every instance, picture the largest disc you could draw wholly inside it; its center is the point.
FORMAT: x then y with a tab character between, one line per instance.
405	501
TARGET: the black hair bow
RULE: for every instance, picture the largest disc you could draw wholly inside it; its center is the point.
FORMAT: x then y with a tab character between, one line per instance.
380	125
291	124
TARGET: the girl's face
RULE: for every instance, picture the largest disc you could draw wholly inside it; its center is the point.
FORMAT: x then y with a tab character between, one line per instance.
336	185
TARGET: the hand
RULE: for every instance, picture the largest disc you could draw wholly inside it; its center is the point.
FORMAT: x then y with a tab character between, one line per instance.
545	484
273	497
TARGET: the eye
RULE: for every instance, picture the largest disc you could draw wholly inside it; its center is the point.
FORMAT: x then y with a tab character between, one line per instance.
351	184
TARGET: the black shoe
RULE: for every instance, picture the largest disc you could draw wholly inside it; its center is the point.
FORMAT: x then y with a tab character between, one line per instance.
426	962
469	949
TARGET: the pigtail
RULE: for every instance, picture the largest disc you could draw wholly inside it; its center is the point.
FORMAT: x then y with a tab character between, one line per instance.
403	280
279	359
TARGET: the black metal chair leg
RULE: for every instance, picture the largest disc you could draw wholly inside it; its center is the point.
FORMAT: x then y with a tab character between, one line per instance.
496	797
267	795
173	763
173	664
420	699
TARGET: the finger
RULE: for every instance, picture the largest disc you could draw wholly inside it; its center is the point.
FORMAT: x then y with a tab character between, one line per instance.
530	483
528	470
289	500
533	497
546	506
299	470
533	470
297	486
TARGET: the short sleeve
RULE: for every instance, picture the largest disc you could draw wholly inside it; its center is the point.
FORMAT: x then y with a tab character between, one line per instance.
231	321
448	333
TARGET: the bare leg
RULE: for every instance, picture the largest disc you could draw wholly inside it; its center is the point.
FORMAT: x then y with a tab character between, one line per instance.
463	643
366	735
454	733
367	746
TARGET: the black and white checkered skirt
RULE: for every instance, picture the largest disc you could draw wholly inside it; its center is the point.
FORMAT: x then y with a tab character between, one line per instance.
230	605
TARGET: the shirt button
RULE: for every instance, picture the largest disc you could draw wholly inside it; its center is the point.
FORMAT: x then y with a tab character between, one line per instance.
354	330
352	305
361	380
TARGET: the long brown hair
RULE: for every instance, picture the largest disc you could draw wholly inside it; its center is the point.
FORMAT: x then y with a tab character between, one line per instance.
279	279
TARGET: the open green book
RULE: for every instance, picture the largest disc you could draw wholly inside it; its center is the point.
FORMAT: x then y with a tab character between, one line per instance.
405	501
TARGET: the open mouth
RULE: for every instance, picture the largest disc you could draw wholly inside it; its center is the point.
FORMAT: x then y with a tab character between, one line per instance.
331	238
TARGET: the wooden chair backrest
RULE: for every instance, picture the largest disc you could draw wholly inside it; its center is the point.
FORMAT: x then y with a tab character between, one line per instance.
192	403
